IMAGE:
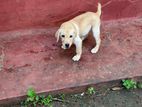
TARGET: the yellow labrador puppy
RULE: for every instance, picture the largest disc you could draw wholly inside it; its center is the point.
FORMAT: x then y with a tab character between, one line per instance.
76	30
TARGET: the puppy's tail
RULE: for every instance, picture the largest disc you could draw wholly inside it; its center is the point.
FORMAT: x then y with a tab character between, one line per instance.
99	9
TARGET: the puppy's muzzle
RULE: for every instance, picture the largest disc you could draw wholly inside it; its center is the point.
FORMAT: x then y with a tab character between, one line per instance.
67	45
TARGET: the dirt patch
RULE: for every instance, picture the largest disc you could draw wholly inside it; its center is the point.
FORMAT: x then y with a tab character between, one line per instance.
123	98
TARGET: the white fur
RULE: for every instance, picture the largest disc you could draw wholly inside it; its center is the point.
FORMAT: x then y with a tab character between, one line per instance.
81	25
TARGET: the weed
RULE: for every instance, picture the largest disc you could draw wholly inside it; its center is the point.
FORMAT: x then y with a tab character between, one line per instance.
33	99
46	101
139	85
91	91
62	96
129	84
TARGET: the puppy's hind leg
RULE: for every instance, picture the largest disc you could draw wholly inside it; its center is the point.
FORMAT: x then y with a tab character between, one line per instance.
96	35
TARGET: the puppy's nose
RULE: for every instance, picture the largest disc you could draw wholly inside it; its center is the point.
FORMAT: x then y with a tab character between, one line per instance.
67	45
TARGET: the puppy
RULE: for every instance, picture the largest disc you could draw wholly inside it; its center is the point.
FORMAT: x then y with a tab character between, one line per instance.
76	30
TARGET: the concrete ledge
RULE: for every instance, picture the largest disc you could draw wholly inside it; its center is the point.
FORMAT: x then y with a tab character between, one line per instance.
36	60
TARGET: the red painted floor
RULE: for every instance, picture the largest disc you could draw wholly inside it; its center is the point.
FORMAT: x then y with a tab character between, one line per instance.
31	57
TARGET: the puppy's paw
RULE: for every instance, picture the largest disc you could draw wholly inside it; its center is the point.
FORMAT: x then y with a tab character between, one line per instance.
76	58
94	50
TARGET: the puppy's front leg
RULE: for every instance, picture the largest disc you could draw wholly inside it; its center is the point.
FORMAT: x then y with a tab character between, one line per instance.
78	44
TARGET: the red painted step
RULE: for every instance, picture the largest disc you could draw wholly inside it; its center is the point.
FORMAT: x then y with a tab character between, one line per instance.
35	59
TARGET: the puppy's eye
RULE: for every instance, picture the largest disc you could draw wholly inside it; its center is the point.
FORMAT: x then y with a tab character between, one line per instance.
63	36
70	36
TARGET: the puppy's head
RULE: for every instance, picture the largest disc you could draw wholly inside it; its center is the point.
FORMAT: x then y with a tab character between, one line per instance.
67	34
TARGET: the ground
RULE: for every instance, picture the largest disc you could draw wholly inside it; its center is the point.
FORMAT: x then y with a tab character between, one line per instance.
122	98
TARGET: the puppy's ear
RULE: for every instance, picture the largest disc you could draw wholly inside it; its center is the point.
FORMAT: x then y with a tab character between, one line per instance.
76	31
57	34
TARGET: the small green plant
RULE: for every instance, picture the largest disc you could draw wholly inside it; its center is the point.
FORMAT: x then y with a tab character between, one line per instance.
129	84
139	85
62	96
46	101
91	91
33	99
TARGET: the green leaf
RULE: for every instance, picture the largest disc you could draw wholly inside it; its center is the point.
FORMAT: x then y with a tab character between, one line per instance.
129	84
47	100
42	96
34	103
37	98
139	85
30	99
62	96
91	90
31	92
